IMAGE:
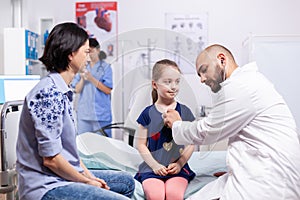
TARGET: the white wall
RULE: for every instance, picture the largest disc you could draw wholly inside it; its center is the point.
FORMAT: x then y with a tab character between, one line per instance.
5	21
229	22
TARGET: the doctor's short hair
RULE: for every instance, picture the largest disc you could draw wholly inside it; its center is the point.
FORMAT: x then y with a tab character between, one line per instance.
64	39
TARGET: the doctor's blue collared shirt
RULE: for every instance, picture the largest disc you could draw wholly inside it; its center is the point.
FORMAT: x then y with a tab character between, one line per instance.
46	129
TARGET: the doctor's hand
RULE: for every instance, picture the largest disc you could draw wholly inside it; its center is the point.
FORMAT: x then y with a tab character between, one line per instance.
170	116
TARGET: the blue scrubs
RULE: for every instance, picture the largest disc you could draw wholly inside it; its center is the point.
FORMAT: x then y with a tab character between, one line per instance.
94	106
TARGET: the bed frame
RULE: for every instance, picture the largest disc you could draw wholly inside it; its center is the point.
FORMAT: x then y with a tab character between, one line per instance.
10	114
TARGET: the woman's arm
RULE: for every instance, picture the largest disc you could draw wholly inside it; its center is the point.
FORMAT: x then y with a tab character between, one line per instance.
88	174
146	154
60	166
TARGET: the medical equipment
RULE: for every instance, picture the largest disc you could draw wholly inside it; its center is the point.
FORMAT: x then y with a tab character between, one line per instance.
119	125
10	114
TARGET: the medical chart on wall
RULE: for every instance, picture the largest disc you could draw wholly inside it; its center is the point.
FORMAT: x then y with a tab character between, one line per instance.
99	19
192	37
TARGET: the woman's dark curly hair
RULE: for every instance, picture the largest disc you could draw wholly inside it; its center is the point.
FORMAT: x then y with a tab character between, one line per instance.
64	39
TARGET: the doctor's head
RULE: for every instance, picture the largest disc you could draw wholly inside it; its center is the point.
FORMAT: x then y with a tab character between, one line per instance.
214	65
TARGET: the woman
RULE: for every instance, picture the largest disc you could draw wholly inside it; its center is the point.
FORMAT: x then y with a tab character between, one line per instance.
48	163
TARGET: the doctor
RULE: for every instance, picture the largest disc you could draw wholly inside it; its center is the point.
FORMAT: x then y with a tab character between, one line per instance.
263	151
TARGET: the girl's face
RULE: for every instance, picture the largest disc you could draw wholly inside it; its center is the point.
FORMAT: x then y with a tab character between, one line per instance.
167	85
79	58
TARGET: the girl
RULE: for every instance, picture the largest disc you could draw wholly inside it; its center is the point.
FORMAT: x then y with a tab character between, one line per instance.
165	167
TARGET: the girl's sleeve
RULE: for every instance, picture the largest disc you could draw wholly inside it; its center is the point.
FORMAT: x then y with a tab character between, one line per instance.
186	114
144	118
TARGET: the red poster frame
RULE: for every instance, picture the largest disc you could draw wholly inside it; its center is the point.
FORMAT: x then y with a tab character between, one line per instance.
100	20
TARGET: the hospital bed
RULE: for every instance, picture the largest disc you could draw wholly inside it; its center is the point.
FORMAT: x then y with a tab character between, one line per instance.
100	152
10	113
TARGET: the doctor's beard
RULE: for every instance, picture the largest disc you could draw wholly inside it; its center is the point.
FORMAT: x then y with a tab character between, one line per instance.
215	82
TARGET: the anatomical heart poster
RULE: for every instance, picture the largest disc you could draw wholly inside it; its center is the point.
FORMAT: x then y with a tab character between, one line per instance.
99	19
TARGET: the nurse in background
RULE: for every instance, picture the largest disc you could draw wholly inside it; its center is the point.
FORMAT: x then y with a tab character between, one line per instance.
263	151
94	86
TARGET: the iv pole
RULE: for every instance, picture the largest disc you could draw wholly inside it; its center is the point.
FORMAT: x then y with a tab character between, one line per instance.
149	50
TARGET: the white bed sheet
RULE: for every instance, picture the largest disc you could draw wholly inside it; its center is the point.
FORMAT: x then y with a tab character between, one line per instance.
99	152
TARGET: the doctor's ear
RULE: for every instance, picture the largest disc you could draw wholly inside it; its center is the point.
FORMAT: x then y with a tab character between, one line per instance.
222	59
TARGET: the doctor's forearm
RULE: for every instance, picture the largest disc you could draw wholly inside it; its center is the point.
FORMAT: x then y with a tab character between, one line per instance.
185	133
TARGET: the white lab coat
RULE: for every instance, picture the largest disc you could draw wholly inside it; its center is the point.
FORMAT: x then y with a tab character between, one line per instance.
263	156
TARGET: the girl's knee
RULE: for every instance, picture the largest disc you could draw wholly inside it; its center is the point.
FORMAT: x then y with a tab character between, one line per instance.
172	195
154	189
154	195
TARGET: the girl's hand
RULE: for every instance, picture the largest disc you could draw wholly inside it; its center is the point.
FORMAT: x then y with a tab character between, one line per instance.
174	168
160	170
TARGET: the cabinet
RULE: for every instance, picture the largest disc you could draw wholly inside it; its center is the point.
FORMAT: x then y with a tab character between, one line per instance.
21	48
277	58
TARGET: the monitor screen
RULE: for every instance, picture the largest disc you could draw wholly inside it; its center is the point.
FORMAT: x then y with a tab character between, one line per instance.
16	87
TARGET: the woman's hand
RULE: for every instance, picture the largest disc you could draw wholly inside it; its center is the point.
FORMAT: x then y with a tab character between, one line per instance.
92	179
173	168
98	183
160	170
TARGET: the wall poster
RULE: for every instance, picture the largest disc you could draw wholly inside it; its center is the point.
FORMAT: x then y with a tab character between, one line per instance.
191	39
100	20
